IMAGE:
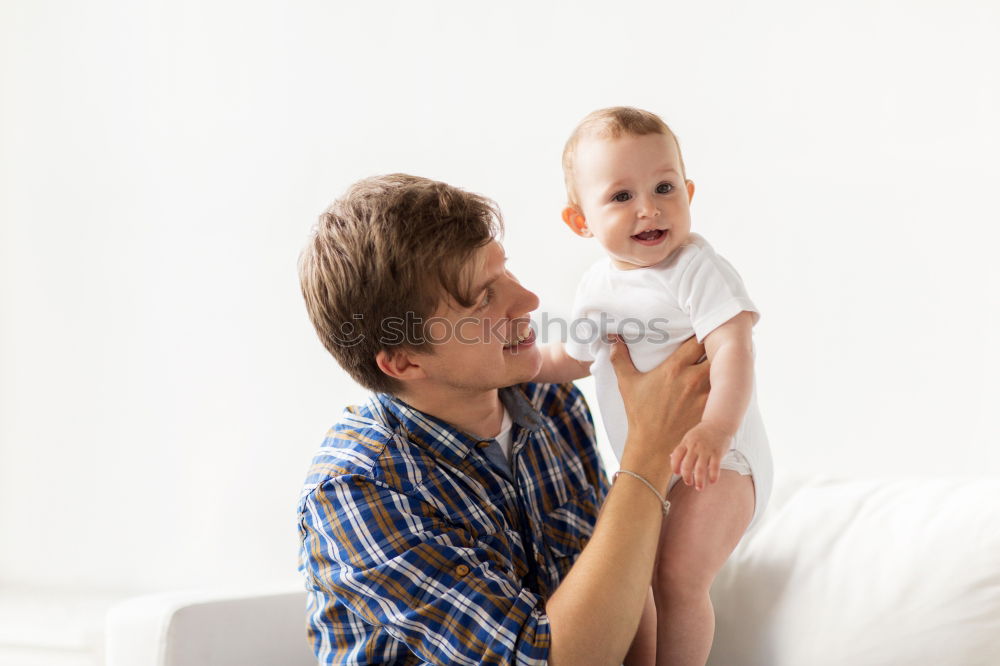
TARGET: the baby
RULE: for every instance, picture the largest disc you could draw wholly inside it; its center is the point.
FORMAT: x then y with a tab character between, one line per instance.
659	285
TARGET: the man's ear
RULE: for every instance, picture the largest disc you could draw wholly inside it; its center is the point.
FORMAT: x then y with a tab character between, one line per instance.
690	188
574	219
399	364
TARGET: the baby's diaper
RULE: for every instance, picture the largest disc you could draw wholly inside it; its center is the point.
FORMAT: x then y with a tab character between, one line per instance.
733	460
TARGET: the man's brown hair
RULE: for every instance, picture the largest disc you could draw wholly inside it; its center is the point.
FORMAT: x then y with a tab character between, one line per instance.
613	123
381	259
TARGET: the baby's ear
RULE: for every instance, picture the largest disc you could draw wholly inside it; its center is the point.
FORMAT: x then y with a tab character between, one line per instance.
575	220
690	189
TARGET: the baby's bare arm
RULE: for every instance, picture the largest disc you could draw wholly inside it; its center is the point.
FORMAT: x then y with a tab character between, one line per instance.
558	366
729	347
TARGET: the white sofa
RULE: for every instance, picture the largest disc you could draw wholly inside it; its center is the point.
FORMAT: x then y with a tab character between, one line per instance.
210	628
838	572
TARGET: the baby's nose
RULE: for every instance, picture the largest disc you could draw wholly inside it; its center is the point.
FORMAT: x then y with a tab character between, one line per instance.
648	208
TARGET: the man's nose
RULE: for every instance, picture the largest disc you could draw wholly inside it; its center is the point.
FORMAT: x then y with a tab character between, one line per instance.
525	301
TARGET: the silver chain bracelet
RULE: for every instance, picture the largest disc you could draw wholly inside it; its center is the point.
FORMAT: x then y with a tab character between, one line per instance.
663	500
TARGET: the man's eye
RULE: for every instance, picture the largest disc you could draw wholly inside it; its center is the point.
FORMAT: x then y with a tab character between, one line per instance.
621	196
487	298
664	188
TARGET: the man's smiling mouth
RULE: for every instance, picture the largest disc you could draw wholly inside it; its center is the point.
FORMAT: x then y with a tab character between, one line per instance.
525	340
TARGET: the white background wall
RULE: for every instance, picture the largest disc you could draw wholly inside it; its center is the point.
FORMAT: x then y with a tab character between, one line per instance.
161	390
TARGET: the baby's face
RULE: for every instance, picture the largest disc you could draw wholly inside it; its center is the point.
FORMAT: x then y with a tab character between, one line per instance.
633	197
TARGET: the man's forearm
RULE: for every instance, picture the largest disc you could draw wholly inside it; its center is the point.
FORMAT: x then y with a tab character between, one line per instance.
594	613
642	651
613	572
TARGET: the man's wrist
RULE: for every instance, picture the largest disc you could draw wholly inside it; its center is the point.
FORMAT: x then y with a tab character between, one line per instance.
639	477
653	465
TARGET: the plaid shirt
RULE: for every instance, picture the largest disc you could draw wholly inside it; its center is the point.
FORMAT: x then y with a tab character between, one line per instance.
419	544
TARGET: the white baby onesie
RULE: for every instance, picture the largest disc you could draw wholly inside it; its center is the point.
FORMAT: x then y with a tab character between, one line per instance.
655	309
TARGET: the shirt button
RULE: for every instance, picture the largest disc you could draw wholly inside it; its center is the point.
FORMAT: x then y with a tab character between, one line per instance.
484	444
461	570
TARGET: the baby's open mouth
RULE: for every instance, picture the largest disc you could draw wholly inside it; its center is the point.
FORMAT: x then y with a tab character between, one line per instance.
650	236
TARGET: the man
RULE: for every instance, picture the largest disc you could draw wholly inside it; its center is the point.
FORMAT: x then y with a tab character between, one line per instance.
424	539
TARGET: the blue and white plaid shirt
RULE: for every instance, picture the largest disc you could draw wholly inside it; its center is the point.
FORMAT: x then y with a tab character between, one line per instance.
419	544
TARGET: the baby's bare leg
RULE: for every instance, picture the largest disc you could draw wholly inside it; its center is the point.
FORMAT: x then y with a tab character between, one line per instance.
697	538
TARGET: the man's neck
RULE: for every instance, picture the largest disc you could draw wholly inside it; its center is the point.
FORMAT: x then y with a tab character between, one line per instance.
479	413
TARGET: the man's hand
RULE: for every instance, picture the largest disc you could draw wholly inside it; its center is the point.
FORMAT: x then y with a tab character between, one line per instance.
663	404
700	453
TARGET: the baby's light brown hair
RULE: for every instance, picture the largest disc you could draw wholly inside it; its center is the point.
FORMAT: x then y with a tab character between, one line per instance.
613	123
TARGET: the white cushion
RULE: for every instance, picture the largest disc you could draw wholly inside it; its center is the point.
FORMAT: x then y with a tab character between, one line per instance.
838	572
28	616
210	628
866	572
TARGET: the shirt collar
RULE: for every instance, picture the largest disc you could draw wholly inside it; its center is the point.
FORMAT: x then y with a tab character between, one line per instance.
446	440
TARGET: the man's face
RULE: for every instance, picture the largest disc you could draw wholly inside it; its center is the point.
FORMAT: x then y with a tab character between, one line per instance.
633	196
477	348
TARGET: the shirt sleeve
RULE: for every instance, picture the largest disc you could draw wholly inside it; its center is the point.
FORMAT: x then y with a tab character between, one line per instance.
597	475
712	292
398	564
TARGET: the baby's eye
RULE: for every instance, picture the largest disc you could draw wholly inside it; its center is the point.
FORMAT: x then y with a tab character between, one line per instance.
664	188
621	196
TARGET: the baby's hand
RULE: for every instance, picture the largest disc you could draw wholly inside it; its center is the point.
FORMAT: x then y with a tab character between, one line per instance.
700	453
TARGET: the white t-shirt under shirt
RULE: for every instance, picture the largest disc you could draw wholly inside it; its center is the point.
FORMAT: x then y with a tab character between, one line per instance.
504	437
655	309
